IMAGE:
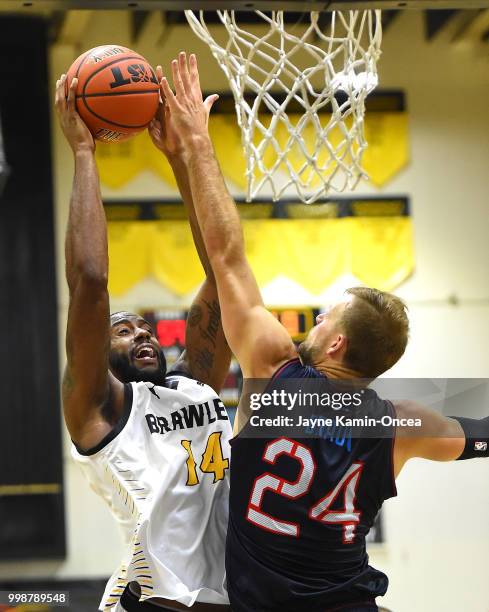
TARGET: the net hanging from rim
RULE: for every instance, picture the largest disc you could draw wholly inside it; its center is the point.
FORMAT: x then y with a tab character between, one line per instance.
299	91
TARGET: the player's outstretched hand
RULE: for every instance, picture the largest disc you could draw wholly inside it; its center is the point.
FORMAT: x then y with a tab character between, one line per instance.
76	132
161	130
184	114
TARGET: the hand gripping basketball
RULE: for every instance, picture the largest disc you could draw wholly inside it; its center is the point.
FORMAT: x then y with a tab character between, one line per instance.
76	132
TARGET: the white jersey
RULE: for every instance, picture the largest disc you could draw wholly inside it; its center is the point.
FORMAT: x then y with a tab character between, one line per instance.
164	472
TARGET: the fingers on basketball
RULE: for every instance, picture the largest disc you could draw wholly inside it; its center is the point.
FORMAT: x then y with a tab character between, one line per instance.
60	93
159	77
72	95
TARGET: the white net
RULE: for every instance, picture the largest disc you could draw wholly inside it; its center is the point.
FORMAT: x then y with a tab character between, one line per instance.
300	93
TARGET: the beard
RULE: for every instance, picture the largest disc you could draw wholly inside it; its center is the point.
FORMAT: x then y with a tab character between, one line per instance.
306	353
127	372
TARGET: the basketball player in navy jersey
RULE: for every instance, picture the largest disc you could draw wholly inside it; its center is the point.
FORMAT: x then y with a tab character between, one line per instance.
300	509
136	428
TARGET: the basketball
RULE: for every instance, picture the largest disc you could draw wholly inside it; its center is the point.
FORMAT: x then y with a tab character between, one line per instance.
117	93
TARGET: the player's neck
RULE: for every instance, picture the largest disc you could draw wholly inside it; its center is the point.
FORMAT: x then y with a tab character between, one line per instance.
339	371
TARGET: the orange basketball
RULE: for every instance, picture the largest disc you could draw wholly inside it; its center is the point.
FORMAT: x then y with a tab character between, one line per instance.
117	93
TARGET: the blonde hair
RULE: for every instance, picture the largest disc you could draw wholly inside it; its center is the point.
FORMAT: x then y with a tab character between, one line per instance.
377	329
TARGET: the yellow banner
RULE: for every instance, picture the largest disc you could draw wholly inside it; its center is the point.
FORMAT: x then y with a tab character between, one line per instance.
386	155
311	252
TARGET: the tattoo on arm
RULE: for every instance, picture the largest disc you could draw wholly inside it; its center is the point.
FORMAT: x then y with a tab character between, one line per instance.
210	333
214	313
204	360
195	315
204	357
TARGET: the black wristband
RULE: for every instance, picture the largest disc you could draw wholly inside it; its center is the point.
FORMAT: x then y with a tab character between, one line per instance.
476	437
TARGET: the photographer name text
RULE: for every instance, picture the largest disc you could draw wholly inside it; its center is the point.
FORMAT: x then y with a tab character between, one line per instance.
338	421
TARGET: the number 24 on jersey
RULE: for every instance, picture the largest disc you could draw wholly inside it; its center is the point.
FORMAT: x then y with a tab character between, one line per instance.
321	511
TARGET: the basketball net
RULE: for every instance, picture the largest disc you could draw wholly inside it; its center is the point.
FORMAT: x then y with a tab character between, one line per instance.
300	93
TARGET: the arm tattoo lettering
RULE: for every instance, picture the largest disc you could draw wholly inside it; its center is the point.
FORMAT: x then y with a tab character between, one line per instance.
204	360
195	315
210	333
205	318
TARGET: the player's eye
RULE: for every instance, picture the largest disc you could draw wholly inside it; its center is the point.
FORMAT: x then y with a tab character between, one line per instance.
122	331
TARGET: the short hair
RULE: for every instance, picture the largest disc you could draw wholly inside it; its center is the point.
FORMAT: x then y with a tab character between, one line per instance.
377	329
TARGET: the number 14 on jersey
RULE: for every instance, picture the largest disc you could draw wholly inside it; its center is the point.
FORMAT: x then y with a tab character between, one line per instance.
212	462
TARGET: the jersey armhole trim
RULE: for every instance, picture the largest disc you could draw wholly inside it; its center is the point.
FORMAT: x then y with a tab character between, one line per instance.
283	367
118	427
180	373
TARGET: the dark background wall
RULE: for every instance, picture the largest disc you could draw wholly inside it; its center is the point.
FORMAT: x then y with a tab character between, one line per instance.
31	495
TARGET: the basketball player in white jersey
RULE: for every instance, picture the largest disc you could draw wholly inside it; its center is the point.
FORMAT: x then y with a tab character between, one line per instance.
153	444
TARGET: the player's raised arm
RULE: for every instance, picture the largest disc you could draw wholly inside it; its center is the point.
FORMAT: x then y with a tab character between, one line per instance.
438	438
87	387
207	355
258	340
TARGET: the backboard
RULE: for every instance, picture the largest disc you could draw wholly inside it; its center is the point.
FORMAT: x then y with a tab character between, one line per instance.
284	5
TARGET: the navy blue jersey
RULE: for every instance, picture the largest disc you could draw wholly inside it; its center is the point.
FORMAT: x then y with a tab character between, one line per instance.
300	510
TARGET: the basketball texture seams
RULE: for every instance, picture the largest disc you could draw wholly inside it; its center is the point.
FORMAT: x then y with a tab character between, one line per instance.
122	105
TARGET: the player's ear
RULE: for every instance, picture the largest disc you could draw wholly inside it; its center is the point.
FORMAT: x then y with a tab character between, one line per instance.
337	346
